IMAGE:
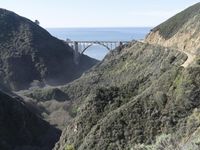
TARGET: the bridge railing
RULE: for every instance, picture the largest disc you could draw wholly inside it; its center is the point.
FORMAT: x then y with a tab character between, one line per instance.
98	41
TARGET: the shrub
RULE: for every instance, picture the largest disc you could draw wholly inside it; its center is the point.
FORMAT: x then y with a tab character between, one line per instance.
69	147
163	142
166	142
198	61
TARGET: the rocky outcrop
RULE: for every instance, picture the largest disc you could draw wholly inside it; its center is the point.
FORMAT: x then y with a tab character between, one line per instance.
21	129
181	31
29	54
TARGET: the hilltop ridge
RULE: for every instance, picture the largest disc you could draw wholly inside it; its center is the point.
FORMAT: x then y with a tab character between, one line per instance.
182	31
28	53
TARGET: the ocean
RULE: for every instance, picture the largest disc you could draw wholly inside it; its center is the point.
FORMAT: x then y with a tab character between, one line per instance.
99	34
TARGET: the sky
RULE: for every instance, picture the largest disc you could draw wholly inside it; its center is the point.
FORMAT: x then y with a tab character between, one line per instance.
97	13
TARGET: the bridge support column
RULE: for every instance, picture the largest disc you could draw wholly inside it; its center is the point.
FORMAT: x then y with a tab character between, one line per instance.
120	44
76	53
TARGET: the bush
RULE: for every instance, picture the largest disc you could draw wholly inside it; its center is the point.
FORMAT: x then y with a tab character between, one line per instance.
36	84
198	61
166	142
163	142
69	147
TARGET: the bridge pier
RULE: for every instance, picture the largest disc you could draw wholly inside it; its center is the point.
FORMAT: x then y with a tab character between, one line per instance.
76	53
120	44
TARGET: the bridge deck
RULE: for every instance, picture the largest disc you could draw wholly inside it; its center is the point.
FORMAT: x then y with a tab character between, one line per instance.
98	41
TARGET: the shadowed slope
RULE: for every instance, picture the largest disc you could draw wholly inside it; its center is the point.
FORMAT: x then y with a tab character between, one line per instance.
20	129
29	53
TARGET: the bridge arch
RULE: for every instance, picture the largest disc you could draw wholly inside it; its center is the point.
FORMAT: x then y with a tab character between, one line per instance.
80	47
98	43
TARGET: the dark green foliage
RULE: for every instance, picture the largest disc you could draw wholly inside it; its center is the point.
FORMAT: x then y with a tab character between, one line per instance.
37	22
49	94
72	111
28	53
198	61
69	147
170	27
21	129
172	59
129	99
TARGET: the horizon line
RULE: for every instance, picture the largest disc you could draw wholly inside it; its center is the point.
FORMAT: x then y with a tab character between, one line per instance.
103	27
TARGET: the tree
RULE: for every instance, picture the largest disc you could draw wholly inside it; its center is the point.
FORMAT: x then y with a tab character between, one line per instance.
37	22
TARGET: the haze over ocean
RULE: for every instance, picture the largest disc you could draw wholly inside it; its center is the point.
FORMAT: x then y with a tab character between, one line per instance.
99	34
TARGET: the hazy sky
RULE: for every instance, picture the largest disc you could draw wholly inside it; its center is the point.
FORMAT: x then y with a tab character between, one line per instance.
97	13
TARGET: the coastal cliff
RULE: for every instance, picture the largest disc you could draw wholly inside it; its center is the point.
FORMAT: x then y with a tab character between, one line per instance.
182	31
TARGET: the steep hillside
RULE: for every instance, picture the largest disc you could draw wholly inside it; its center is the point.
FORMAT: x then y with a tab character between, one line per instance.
58	109
30	56
140	98
137	97
51	104
20	129
181	31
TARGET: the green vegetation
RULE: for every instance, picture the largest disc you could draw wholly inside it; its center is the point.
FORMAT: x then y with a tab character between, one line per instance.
172	26
37	22
198	61
168	142
20	128
69	147
151	97
72	110
48	94
138	98
43	57
163	142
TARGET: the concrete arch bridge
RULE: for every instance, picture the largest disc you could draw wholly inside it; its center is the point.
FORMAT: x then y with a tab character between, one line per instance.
80	47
